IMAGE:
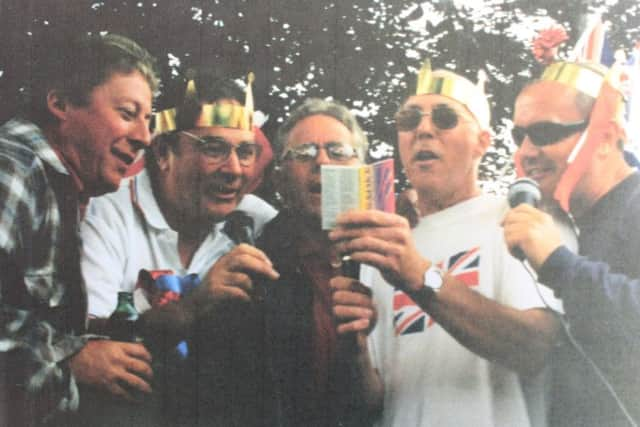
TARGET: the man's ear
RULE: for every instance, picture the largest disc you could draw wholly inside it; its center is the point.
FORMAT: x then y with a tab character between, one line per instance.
609	135
57	104
484	141
161	151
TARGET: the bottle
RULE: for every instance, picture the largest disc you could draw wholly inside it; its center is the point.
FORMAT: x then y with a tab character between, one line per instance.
122	322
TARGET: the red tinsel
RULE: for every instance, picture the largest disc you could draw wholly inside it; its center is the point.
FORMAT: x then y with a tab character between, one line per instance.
545	45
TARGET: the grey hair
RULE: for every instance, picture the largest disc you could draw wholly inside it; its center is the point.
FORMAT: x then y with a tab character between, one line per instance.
313	106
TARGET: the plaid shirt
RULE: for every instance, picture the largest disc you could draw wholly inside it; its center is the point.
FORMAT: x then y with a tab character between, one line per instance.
42	300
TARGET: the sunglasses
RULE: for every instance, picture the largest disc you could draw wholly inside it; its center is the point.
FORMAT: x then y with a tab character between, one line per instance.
546	133
307	152
217	150
442	116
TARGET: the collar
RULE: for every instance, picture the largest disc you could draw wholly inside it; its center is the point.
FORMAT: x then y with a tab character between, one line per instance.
145	202
32	136
75	178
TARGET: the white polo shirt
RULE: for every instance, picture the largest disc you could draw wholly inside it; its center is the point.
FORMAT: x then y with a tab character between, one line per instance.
125	231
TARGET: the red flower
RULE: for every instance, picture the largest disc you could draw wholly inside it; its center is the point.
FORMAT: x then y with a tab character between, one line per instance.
545	46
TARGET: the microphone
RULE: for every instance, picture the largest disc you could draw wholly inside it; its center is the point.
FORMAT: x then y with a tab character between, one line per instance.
350	268
239	227
523	190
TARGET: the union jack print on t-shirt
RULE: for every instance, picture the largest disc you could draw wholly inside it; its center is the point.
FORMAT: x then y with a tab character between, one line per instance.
408	318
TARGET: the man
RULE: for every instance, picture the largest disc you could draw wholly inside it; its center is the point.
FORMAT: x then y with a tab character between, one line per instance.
87	121
169	219
462	334
341	387
599	287
291	351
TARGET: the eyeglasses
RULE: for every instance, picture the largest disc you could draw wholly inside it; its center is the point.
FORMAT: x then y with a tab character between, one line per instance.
442	116
546	133
307	152
218	150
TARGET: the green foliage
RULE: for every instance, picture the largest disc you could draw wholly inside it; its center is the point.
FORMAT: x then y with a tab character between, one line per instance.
362	52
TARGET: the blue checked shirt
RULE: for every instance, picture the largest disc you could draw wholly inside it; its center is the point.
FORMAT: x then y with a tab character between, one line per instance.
42	300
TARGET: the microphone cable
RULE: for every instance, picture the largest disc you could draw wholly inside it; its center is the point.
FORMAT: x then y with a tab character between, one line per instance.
566	326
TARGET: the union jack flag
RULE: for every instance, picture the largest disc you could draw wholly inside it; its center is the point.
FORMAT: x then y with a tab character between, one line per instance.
408	317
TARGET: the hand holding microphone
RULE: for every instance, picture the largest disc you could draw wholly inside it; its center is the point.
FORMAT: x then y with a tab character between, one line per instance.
231	276
529	232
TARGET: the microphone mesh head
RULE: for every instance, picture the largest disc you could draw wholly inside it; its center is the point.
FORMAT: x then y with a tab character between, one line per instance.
239	227
524	190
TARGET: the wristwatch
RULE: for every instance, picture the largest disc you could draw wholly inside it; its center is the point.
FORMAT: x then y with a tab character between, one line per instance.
431	283
433	278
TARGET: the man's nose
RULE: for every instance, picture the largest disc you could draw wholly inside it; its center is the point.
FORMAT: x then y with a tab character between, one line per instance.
425	128
141	133
232	164
323	157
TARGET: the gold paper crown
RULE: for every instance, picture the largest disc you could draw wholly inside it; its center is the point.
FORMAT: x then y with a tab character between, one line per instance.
585	77
458	88
221	114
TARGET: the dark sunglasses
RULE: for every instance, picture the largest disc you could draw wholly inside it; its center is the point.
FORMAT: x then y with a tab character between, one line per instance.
217	150
546	133
442	116
307	152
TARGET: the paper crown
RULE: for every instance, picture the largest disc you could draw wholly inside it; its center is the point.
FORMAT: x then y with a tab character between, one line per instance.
585	77
450	84
221	113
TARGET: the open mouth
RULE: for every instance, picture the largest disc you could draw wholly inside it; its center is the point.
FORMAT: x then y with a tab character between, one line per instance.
537	170
126	158
424	155
223	192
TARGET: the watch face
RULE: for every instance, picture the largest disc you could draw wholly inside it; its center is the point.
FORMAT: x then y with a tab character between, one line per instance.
433	278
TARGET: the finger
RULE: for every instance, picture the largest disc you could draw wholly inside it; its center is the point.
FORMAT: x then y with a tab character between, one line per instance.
139	351
252	264
231	293
240	280
119	391
379	261
130	382
140	368
360	325
349	284
393	233
357	294
340	282
346	312
352	298
372	244
245	249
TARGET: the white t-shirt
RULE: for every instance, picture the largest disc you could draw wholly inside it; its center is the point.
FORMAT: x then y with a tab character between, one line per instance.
430	379
120	238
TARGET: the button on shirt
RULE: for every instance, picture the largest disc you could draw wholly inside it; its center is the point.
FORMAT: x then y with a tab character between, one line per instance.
125	231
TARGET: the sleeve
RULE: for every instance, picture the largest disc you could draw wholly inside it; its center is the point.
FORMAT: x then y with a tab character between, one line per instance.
33	352
580	281
104	255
